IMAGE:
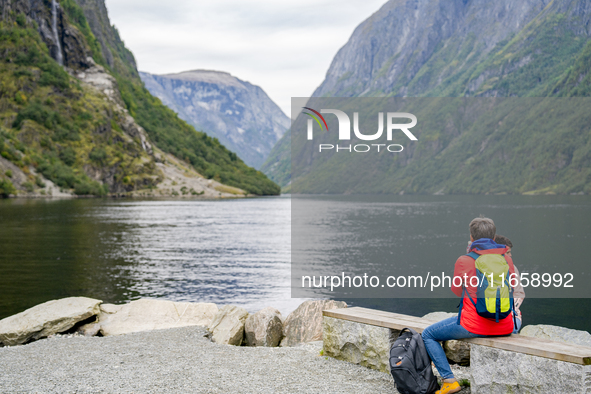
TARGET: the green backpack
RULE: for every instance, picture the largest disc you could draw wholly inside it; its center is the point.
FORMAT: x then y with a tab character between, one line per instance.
494	294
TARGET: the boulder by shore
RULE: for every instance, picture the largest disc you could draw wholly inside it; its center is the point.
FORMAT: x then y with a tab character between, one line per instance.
230	325
51	317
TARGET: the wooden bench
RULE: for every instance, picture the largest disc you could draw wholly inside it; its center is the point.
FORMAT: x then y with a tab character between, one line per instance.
498	364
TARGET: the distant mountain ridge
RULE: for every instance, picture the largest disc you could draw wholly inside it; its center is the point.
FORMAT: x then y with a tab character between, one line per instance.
464	48
240	115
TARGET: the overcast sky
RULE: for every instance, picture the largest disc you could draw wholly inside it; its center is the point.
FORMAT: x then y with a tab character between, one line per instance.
284	46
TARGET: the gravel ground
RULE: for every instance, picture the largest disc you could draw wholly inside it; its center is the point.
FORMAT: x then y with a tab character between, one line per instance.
177	361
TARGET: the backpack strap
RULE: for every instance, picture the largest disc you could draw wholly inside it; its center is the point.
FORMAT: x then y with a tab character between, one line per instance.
511	291
474	255
461	304
498	305
413	332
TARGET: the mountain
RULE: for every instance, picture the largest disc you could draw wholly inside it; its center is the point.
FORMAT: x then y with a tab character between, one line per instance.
240	115
278	164
469	48
76	118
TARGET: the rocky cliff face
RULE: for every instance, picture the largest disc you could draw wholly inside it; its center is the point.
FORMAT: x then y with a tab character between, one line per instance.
240	115
459	48
442	47
62	39
112	48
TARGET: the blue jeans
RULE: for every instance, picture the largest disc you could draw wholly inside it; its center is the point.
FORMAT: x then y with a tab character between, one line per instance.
443	331
517	325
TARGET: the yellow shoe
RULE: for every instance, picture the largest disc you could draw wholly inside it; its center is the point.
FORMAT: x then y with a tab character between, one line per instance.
449	388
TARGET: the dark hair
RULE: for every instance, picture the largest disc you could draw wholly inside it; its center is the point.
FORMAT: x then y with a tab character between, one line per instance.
502	240
482	228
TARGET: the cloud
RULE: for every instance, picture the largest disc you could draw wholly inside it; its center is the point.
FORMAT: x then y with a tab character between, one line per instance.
283	46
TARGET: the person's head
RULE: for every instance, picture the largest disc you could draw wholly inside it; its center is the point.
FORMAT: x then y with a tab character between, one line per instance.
502	240
482	228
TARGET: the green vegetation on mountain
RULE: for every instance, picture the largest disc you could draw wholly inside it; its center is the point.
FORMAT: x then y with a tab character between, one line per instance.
278	164
576	81
6	188
540	50
529	64
487	146
50	122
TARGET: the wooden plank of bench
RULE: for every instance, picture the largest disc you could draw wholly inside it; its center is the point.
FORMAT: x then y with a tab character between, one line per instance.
420	322
363	315
515	343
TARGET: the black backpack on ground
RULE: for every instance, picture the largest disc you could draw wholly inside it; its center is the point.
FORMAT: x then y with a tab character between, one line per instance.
410	364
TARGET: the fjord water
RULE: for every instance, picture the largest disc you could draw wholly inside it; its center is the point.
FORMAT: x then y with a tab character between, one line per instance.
227	252
238	251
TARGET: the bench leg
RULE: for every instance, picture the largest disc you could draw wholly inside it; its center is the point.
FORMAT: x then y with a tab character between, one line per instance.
358	343
496	371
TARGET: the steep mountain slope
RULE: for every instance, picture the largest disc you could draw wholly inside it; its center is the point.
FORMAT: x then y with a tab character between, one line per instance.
170	133
103	37
240	115
90	127
456	48
475	145
58	133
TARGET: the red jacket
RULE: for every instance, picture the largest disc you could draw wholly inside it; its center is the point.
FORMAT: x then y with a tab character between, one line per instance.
470	319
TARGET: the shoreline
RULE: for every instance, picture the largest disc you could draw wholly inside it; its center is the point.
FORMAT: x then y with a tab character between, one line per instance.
178	180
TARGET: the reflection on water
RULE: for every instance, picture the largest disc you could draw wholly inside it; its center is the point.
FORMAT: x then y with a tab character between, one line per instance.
234	251
238	251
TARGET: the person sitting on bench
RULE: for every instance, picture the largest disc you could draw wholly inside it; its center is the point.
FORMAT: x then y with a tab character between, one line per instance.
469	323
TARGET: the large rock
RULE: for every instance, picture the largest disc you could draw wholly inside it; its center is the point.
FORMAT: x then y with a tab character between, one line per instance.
358	343
456	351
556	333
49	318
227	326
496	371
264	328
522	373
305	323
146	314
90	329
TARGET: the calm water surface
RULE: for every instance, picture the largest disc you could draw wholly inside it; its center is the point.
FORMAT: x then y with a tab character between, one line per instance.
238	251
234	251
